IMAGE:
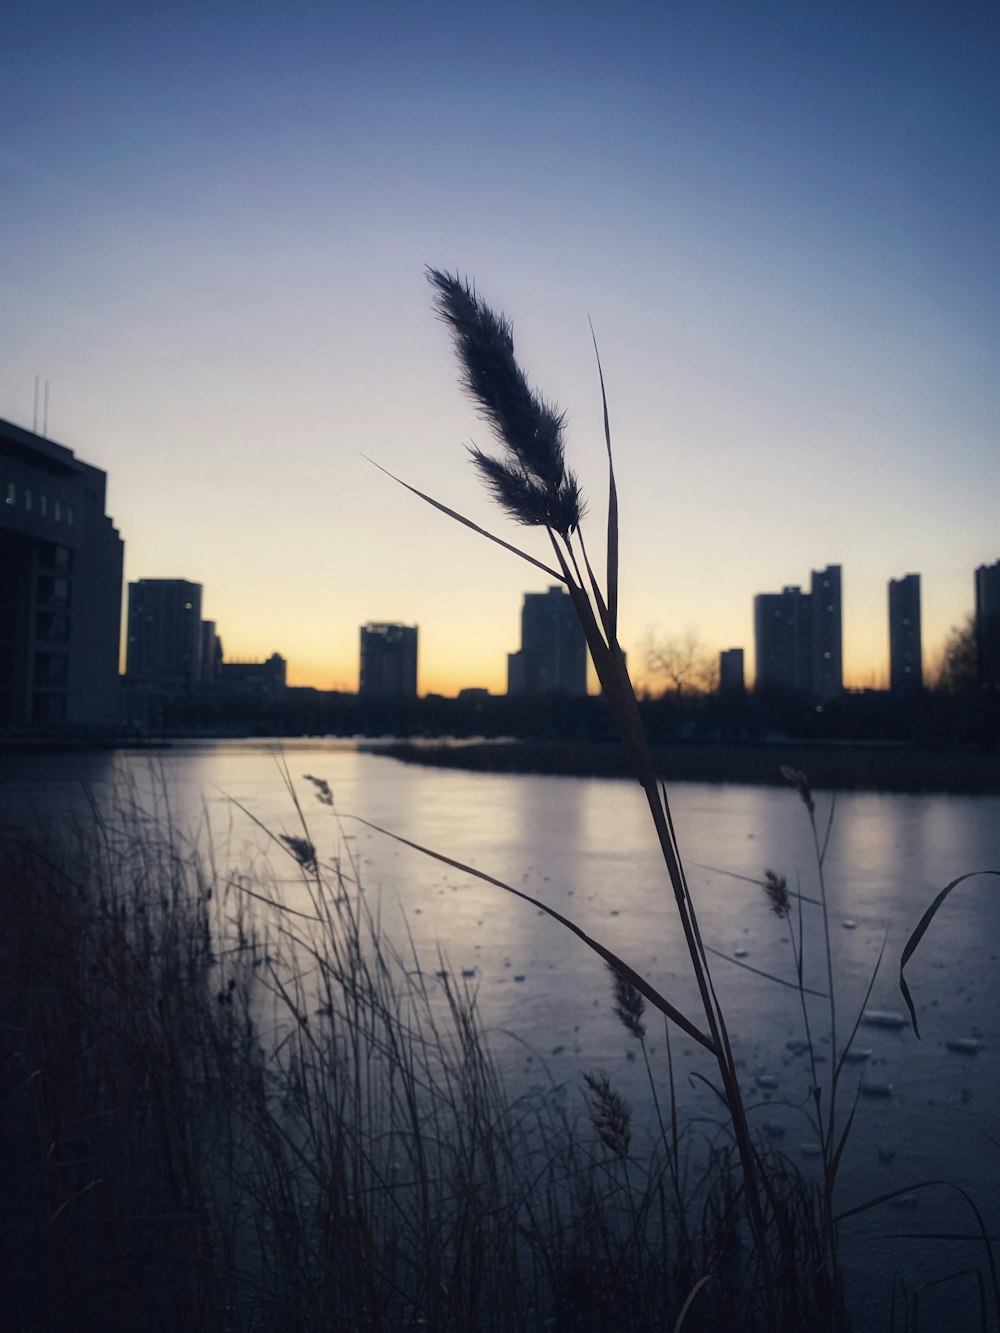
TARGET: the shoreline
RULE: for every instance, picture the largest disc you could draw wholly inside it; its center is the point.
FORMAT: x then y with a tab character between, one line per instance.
842	767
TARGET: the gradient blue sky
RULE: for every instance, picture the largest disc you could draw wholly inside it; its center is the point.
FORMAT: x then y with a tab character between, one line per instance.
781	217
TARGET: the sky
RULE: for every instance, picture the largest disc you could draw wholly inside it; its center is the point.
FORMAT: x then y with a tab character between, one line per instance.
781	219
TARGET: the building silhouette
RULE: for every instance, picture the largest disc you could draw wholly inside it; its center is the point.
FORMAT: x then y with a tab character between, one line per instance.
906	672
552	658
798	638
731	679
827	633
165	637
388	661
783	641
60	586
259	680
987	622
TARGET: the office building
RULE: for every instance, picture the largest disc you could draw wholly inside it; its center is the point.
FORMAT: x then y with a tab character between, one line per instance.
827	633
906	672
164	648
259	680
988	626
783	641
552	658
388	661
731	671
211	653
798	638
60	586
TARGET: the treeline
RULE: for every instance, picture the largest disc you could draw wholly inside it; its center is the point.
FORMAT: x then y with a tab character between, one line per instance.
934	719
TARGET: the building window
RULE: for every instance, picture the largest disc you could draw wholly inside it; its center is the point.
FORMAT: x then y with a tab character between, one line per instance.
69	516
43	505
10	493
28	498
57	510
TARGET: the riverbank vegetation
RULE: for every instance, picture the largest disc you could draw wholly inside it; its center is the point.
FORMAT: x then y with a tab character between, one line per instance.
225	1112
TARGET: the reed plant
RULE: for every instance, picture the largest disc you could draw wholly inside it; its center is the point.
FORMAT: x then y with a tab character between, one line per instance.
783	1231
230	1103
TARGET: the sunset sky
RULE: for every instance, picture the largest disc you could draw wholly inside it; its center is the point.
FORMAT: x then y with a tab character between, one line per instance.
782	219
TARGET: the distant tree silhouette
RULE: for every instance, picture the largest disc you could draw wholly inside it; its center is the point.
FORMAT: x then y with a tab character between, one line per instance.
681	664
957	673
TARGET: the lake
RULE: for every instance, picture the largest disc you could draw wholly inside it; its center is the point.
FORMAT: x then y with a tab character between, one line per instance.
586	848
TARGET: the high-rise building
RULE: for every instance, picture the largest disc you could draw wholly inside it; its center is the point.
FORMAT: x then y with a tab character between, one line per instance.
783	641
798	638
388	661
60	586
164	634
827	633
906	672
988	626
731	671
552	658
211	653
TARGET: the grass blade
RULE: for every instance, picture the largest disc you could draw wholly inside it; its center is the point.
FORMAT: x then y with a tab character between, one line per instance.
460	518
768	976
920	930
612	507
649	992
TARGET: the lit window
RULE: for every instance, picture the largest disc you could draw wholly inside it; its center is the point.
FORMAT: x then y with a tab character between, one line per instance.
830	609
69	515
828	656
10	495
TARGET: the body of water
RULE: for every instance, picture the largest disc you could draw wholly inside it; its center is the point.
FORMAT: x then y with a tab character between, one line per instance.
585	847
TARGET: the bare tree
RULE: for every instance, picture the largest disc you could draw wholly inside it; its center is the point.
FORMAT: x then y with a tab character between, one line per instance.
956	671
681	664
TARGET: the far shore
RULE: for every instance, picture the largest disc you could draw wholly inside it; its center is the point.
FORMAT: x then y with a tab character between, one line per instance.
844	767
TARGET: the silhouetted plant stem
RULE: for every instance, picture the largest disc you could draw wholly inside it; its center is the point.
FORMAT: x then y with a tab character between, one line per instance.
532	484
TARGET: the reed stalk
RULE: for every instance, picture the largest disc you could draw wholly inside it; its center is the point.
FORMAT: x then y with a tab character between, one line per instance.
532	484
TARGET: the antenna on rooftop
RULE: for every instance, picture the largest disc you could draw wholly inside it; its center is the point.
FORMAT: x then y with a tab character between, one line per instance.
34	419
45	414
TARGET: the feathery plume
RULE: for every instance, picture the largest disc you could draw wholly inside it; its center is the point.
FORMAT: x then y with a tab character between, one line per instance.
776	888
798	779
533	485
609	1114
629	1004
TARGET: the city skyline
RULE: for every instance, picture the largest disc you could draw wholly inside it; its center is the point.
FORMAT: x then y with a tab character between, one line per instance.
779	221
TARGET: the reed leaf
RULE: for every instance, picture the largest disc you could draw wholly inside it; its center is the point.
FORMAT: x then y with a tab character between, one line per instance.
460	518
620	966
612	584
917	934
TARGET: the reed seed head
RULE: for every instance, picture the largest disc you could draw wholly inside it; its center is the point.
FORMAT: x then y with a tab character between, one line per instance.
609	1114
798	779
302	849
323	793
629	1004
532	484
776	888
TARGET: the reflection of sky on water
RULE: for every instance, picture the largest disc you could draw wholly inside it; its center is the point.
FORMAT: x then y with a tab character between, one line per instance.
585	847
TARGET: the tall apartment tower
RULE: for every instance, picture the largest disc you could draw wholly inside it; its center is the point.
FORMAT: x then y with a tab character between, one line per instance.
798	638
827	633
165	634
388	661
783	641
731	671
906	671
60	586
552	658
988	626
